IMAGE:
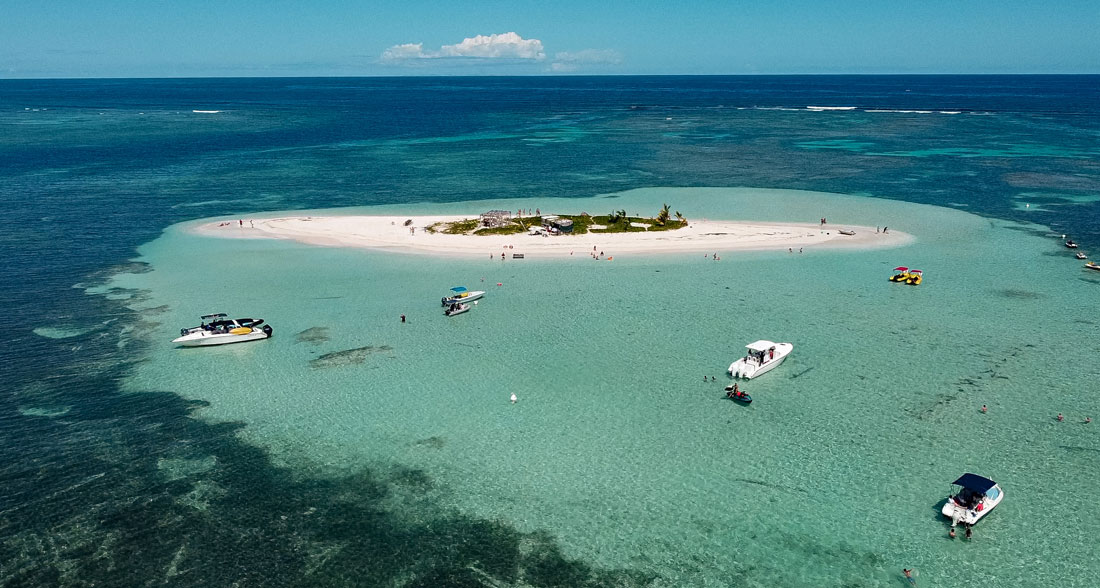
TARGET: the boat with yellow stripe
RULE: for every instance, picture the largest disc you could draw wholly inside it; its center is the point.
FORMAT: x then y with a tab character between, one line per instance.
219	329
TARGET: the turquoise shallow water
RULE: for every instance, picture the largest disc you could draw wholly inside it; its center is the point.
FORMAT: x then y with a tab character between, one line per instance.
833	476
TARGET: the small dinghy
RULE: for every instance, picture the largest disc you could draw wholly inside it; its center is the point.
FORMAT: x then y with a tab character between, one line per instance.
456	308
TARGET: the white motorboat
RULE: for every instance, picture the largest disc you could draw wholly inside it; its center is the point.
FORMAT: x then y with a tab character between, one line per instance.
461	294
219	329
1071	244
973	500
456	308
762	357
1080	255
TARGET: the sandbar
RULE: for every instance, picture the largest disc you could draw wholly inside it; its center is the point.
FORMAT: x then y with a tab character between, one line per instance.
390	233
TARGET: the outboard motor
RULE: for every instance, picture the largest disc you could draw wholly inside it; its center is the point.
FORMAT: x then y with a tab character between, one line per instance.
267	330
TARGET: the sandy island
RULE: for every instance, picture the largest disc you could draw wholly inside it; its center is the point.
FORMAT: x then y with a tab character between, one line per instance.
390	233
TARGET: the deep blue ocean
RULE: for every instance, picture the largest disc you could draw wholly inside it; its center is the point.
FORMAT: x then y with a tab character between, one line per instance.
91	169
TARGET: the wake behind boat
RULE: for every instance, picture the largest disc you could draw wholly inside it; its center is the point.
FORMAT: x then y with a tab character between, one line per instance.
461	294
219	329
762	357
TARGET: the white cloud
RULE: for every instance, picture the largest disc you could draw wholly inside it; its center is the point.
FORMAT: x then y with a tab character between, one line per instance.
405	51
607	56
502	46
573	60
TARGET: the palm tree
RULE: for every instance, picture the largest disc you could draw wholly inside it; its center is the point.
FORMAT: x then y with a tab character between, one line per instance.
662	217
680	217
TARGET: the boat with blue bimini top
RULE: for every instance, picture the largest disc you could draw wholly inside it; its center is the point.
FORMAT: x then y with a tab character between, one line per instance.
973	499
461	294
219	329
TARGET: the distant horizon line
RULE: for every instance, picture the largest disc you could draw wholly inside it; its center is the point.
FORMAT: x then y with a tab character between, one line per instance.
566	76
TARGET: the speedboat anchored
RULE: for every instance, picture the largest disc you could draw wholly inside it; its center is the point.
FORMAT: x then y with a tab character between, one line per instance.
1080	255
761	358
456	308
1092	265
974	499
1071	244
219	329
461	294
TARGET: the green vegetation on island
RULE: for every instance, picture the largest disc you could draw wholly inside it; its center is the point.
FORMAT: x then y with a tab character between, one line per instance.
617	221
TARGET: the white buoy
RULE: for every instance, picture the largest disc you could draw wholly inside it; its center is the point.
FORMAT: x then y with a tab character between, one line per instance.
475	302
513	397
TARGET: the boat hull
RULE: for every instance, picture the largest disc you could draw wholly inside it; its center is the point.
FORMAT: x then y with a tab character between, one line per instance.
467	298
750	369
453	311
205	338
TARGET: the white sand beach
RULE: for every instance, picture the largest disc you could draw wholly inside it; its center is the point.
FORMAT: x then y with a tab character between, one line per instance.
390	233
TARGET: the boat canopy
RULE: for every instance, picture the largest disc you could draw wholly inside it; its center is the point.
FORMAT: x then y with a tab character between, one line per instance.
458	289
901	268
215	316
760	345
915	272
975	482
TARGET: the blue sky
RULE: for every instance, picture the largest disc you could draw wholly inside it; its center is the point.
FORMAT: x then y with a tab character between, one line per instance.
157	38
